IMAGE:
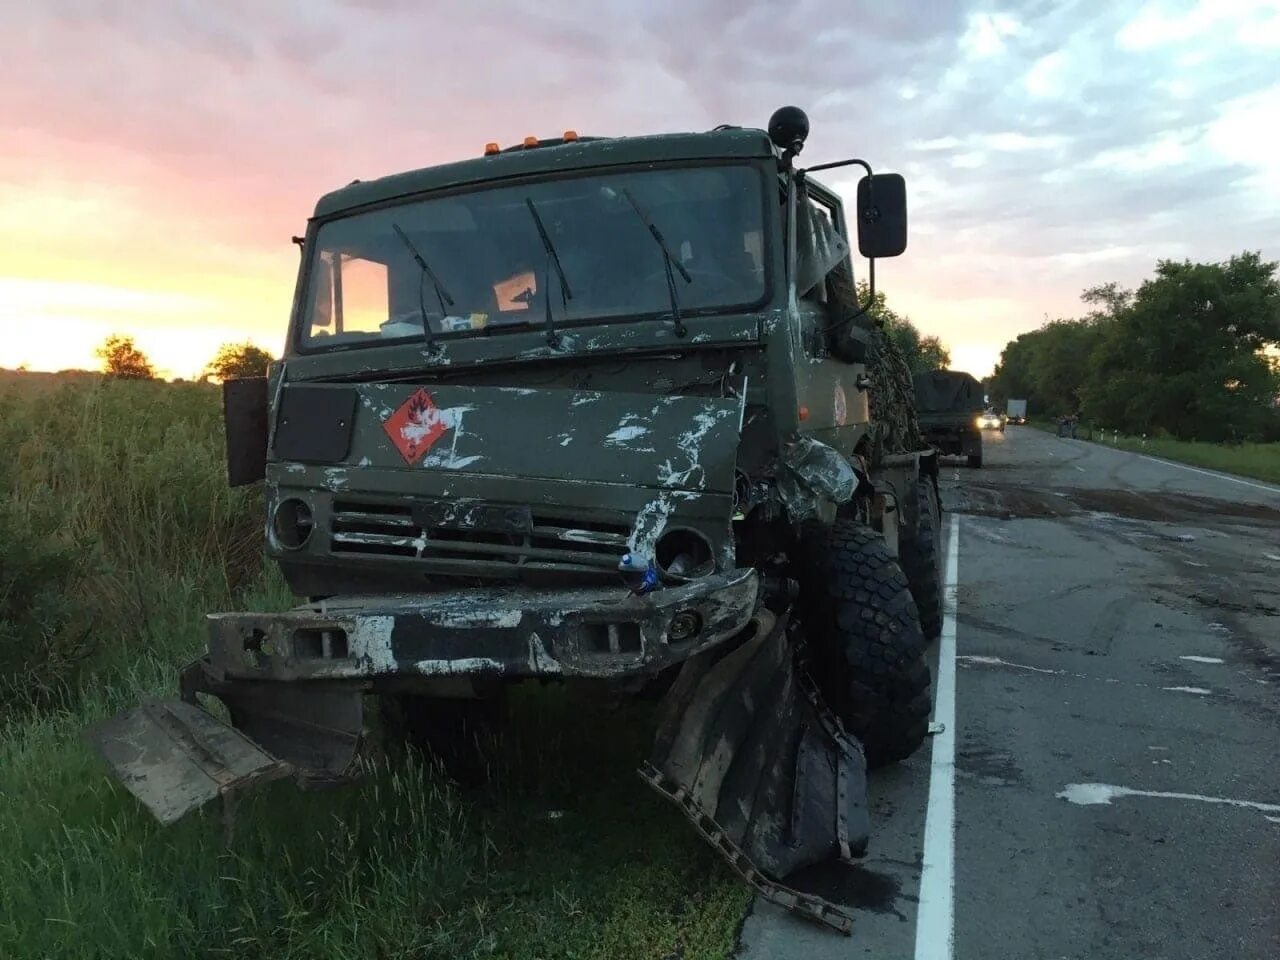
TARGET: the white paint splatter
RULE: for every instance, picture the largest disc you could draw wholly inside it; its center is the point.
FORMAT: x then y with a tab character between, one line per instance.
690	444
1198	691
1195	659
364	462
540	661
1090	794
650	522
997	662
448	462
625	433
335	479
370	642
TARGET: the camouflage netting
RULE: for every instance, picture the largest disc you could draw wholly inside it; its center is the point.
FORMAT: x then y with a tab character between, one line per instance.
895	427
892	398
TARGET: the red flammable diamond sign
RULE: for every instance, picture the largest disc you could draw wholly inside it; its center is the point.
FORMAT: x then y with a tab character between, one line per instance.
415	426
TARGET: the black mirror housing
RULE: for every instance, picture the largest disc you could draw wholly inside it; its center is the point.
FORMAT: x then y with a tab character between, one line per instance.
882	215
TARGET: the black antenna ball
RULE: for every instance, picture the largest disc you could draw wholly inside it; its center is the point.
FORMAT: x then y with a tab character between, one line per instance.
788	128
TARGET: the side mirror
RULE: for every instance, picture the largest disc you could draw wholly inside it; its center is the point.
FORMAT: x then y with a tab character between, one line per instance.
882	215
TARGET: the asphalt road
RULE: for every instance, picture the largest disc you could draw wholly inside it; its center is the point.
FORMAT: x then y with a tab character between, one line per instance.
1116	738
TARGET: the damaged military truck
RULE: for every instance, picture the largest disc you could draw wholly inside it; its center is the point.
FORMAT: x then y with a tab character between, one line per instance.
593	410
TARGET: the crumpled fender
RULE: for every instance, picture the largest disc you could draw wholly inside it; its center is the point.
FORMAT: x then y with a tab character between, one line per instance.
746	749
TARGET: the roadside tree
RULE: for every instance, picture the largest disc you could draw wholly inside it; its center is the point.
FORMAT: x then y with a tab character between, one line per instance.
122	359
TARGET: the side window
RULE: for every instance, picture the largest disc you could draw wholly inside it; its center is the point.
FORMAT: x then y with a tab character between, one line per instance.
824	218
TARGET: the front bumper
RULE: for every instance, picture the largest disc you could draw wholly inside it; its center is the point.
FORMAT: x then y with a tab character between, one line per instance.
516	633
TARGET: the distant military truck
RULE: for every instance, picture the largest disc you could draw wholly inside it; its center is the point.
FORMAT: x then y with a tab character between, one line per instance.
948	404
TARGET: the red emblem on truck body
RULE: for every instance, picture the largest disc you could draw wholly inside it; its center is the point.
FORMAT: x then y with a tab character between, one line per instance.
415	426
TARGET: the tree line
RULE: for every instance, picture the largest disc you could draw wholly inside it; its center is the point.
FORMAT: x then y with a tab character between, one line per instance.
922	353
123	360
1193	353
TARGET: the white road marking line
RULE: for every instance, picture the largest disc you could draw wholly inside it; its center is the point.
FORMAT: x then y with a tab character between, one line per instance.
1087	794
1195	659
1081	469
1200	691
1212	473
935	918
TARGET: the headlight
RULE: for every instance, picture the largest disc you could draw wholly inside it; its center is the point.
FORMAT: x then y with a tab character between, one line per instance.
292	524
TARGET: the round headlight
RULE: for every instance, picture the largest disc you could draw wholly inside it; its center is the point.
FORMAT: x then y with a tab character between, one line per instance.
683	554
292	523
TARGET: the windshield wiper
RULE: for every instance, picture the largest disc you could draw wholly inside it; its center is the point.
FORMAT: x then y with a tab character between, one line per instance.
668	261
552	258
442	295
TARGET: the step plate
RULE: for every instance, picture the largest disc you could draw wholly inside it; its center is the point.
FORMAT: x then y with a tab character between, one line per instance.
175	757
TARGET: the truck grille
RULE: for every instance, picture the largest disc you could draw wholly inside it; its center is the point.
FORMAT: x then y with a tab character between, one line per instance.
484	538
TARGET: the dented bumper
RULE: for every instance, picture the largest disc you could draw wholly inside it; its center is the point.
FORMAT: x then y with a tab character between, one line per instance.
592	632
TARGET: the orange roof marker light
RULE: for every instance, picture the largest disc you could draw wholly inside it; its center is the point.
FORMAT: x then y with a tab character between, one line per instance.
530	142
570	136
491	148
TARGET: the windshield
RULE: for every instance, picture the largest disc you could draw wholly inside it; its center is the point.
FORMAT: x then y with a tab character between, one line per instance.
487	266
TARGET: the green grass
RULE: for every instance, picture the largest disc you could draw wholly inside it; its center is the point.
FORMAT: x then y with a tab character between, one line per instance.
1258	460
565	854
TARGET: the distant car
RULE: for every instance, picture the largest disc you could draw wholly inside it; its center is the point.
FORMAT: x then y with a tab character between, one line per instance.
1017	420
991	421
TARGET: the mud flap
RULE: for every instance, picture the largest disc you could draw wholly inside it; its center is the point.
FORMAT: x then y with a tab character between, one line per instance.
175	757
748	752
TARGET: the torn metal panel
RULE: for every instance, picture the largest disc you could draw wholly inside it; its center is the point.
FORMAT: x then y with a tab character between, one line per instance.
744	743
814	479
175	758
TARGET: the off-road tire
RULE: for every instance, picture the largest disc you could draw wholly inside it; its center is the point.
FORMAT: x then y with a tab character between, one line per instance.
921	557
975	460
867	651
457	733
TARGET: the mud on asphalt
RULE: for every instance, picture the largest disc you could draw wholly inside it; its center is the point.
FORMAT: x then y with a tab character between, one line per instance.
1248	612
1008	502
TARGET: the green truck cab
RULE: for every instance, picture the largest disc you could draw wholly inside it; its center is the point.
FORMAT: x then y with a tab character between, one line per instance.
588	409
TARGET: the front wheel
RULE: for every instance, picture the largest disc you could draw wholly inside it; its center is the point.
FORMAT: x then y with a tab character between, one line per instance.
975	460
868	651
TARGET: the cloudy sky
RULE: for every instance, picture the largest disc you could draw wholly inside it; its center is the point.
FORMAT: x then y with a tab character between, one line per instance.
156	155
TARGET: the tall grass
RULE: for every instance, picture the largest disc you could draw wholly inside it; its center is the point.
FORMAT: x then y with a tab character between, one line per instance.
122	485
117	490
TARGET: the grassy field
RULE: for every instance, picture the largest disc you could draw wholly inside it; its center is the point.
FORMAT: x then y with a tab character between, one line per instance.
117	533
1258	460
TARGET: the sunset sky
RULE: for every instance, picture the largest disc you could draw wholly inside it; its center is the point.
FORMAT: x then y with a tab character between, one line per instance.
155	157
